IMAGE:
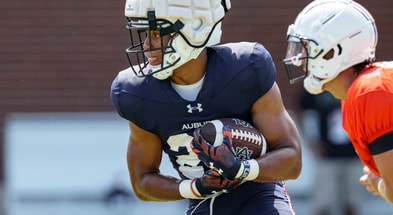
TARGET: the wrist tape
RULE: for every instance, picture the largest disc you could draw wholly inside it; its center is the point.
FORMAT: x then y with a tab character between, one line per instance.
188	190
248	171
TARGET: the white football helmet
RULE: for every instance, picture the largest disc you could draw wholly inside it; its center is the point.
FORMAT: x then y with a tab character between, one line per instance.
328	36
193	25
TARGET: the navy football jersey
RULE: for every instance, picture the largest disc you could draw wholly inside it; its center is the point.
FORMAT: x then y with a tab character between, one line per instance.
237	75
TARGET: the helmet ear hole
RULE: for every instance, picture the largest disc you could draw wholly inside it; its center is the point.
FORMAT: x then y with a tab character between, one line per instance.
332	52
329	55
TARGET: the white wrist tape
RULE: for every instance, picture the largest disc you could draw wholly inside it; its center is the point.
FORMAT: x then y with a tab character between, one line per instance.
248	171
188	190
380	190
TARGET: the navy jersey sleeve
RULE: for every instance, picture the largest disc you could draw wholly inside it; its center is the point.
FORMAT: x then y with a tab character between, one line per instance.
264	67
253	59
114	93
127	96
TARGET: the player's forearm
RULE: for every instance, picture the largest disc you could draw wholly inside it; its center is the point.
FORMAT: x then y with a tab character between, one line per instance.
281	164
157	187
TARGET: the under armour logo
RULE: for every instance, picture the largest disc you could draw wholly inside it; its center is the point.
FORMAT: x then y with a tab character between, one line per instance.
219	171
198	108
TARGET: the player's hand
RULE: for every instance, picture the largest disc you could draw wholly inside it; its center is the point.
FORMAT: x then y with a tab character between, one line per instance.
370	181
221	158
212	183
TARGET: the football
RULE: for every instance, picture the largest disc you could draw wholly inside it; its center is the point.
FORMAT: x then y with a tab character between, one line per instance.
247	141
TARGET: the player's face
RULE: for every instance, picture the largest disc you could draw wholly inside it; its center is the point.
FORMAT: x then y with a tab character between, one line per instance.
154	46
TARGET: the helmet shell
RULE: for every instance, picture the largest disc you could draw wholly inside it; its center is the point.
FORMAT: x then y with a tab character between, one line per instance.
342	26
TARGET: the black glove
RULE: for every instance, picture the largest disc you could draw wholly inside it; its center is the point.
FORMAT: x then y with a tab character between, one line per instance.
212	183
221	158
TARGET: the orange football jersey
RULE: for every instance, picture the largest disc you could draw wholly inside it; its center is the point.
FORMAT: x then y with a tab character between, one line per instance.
368	109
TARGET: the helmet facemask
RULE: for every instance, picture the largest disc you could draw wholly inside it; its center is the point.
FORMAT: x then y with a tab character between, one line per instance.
142	29
306	60
298	53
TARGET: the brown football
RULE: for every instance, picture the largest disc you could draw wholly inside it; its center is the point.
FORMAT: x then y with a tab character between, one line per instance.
247	141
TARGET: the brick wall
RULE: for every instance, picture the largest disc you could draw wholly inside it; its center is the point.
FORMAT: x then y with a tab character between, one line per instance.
62	55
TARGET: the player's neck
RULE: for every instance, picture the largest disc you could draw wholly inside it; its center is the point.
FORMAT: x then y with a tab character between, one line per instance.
339	86
192	71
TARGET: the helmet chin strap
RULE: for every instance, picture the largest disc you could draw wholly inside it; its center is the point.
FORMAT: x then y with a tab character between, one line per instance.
313	84
162	75
183	54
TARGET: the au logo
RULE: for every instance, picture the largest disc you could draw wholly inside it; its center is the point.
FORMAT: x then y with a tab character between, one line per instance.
243	153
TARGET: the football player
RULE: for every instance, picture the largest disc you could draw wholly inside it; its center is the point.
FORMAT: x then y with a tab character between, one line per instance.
178	80
332	46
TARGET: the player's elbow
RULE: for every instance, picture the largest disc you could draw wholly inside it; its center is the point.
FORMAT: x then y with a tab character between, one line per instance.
293	162
141	196
144	198
139	193
296	167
